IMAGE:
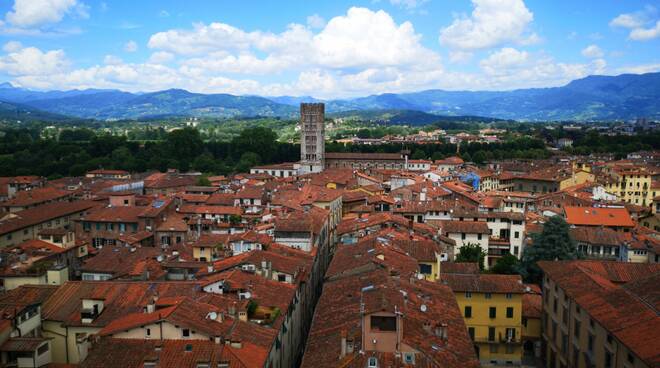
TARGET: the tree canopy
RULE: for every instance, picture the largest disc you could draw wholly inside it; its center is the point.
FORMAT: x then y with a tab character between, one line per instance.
553	243
471	252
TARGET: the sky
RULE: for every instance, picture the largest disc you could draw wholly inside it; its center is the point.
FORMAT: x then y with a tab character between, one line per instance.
325	49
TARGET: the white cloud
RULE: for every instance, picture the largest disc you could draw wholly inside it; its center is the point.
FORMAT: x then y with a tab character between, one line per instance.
457	56
408	4
163	13
160	57
645	34
492	23
12	46
32	61
130	46
631	20
360	38
640	69
112	60
35	13
509	68
592	51
315	21
641	24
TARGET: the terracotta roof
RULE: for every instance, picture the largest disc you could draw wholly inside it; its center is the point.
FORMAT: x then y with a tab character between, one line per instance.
212	210
532	302
602	236
132	353
601	216
483	283
36	196
338	315
622	297
460	267
222	199
114	214
469	227
118	260
22	344
363	156
43	213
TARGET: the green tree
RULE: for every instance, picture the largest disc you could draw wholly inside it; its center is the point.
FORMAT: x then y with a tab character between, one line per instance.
247	161
466	156
479	157
184	144
506	265
553	243
419	155
471	252
259	140
203	181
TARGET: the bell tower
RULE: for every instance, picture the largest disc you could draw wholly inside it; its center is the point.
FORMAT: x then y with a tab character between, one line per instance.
312	138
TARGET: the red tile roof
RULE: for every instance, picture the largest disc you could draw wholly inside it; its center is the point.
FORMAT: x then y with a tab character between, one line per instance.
601	216
483	283
622	297
43	213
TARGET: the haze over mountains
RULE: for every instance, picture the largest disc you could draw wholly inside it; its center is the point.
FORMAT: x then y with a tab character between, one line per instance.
626	96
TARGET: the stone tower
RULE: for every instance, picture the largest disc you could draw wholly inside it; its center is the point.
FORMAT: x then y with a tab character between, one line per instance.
312	138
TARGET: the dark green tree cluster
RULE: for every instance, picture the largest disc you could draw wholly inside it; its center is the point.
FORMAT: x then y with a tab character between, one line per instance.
553	243
25	152
472	253
619	145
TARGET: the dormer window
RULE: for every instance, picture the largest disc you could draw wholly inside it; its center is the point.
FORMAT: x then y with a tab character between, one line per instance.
383	323
372	362
349	346
409	358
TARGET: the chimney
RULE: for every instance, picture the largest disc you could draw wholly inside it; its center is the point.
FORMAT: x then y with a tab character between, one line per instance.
209	268
217	339
151	307
343	344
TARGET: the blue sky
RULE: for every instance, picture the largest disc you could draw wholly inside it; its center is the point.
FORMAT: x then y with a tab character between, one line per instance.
324	49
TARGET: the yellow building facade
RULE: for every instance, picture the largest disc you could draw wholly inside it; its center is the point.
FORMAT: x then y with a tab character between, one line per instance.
493	318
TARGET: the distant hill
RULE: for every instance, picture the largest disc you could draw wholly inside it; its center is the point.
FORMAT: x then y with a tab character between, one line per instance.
406	117
626	96
16	112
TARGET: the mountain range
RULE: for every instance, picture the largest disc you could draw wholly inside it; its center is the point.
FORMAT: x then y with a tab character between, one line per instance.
625	96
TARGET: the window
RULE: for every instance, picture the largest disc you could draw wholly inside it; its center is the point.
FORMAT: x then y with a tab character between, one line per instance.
491	333
42	349
479	236
510	334
608	359
409	358
516	234
425	269
463	236
590	343
488	295
492	312
468	295
508	295
372	362
468	311
383	323
509	312
493	348
185	332
631	359
471	332
147	332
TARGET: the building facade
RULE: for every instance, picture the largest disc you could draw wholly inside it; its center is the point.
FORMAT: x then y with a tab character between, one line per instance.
312	137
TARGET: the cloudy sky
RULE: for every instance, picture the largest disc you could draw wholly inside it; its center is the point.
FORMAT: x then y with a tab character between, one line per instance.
324	49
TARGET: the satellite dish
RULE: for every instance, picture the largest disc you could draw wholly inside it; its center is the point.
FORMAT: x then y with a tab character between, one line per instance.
248	295
420	276
423	307
212	315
